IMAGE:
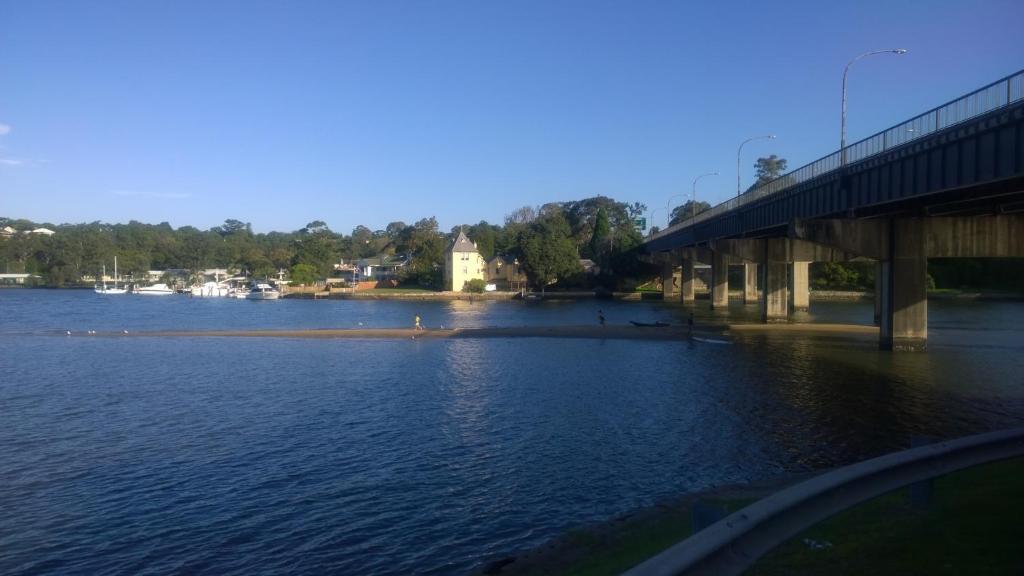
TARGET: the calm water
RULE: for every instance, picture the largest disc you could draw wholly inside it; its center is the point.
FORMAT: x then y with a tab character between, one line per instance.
258	456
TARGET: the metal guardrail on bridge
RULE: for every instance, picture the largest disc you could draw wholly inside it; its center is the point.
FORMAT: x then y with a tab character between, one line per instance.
992	97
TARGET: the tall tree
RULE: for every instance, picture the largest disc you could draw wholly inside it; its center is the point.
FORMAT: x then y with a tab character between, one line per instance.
688	210
599	247
768	168
315	246
548	250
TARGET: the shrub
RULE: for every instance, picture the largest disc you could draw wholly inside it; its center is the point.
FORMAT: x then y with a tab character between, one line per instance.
475	285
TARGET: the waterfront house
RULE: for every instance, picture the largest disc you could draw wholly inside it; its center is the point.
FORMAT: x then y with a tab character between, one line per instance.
43	231
7	232
18	279
382	268
589	267
505	272
462	263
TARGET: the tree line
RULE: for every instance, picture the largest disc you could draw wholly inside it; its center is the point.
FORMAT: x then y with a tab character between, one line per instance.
548	241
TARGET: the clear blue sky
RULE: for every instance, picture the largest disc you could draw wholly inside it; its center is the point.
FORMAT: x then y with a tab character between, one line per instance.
280	113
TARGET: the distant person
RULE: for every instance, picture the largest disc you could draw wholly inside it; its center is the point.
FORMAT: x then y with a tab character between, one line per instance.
689	324
418	325
600	317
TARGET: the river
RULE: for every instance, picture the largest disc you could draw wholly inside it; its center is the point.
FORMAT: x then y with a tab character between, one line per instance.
265	455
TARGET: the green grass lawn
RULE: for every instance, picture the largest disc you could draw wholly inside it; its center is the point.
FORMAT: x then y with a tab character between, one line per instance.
974	525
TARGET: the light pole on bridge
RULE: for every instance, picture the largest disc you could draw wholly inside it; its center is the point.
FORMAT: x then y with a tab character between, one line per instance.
842	124
740	149
693	202
668	204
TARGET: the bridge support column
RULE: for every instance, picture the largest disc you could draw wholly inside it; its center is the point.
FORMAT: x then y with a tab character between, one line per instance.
719	280
774	281
799	295
878	293
669	281
750	283
904	310
687	288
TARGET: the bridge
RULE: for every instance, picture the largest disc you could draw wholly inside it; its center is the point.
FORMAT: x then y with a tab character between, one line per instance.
948	183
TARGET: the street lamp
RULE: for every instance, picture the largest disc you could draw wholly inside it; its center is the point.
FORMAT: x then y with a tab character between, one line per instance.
693	204
842	126
740	149
668	215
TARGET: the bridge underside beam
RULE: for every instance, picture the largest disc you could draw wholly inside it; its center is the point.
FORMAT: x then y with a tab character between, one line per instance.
785	250
989	236
975	236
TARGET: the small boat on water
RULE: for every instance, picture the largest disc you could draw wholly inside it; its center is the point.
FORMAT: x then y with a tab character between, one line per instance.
104	289
262	291
154	290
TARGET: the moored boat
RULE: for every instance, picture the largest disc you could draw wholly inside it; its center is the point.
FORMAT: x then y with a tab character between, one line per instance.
108	290
262	291
210	290
154	290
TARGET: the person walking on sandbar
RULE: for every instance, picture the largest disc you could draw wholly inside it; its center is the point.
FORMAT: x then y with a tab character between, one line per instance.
418	325
600	317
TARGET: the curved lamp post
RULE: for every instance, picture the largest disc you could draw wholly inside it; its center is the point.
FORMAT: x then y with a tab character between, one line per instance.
842	125
668	205
740	149
693	204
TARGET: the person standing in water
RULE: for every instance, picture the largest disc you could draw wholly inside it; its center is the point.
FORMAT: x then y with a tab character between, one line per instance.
600	317
418	325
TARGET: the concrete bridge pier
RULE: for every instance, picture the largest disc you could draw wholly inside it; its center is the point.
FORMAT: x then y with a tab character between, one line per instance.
669	277
750	295
719	280
775	281
904	288
688	278
878	293
799	289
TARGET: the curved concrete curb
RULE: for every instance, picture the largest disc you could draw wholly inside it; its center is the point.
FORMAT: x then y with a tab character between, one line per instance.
734	543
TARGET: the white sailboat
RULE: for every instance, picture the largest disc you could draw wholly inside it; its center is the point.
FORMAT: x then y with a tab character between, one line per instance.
104	289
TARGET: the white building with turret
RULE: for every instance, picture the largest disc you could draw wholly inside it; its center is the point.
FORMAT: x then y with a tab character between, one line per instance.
462	263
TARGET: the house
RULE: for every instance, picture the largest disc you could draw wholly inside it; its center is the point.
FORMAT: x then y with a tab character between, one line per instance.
589	267
382	268
17	279
505	272
44	231
7	232
462	263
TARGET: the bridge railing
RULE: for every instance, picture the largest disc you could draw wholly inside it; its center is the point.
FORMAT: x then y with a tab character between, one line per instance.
992	97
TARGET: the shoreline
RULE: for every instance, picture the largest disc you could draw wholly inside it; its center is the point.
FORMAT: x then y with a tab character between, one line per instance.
398	294
705	333
611	332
